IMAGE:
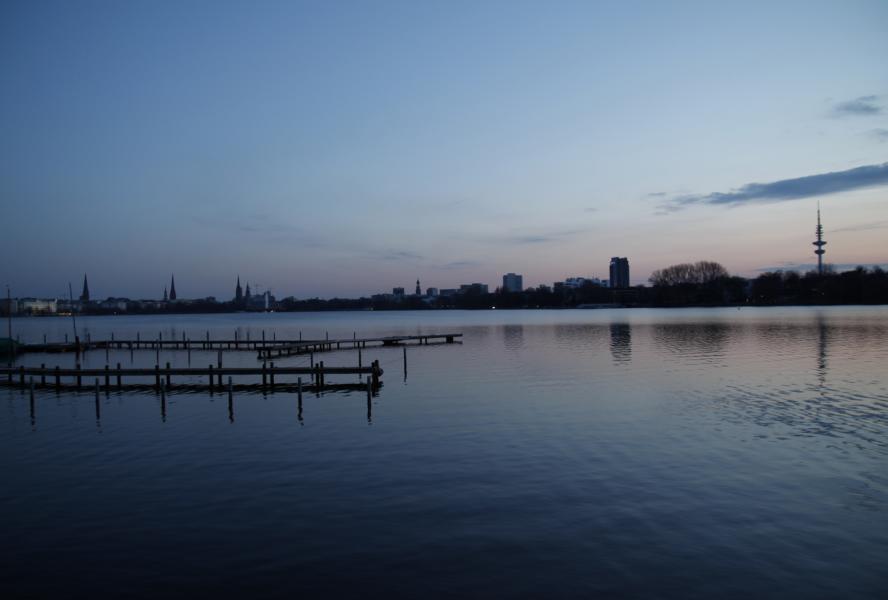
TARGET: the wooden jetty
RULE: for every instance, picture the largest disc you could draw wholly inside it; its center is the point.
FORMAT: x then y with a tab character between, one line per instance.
311	346
163	376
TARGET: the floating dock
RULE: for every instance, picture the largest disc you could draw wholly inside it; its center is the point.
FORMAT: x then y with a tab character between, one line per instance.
163	376
312	346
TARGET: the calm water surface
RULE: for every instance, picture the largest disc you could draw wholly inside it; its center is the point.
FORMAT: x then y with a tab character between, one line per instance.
674	453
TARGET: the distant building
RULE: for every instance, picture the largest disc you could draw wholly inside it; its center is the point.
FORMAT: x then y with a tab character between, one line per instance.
513	282
447	292
172	288
238	292
398	291
619	272
473	288
35	306
115	304
432	292
84	296
819	243
418	289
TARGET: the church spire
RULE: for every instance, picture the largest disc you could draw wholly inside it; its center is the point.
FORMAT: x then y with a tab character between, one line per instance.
165	296
84	297
172	287
238	292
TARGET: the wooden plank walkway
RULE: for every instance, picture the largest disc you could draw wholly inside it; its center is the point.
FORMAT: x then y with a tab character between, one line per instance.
24	376
311	346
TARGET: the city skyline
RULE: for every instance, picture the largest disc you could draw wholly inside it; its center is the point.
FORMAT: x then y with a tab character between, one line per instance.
338	153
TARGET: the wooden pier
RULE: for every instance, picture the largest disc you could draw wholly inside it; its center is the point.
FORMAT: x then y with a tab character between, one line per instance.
162	377
312	346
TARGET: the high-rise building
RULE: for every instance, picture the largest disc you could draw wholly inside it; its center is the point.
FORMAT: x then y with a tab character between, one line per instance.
172	287
84	296
619	272
513	282
819	243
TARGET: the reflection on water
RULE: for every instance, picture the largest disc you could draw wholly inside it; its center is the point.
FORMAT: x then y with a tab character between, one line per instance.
621	342
685	453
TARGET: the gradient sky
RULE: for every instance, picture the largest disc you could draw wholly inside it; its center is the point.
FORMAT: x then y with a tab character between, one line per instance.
328	148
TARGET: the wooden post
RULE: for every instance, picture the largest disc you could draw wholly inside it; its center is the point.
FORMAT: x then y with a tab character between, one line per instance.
272	376
230	402
299	388
375	373
321	372
369	392
264	368
119	381
300	335
219	360
405	362
263	336
22	376
157	376
32	390
163	402
359	358
43	375
211	378
311	359
97	390
78	376
168	374
107	378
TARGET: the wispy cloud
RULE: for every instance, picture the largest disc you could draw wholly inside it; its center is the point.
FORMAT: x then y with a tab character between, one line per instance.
400	255
787	189
544	237
862	106
880	134
864	226
459	264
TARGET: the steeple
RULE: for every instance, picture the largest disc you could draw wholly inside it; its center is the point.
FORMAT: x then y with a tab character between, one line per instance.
84	297
238	292
165	297
247	293
172	287
819	243
418	289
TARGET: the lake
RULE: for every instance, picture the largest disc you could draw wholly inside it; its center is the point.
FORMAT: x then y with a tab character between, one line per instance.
682	453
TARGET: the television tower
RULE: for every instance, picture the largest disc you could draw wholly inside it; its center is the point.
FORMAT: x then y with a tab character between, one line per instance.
819	243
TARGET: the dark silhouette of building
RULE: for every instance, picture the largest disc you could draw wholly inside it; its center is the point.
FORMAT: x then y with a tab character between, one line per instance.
84	296
619	272
513	282
247	294
238	292
418	289
819	243
166	297
172	287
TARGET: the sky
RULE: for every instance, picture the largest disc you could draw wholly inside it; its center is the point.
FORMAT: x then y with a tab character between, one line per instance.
344	148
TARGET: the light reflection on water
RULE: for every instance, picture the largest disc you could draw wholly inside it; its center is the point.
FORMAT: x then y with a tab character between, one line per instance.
682	453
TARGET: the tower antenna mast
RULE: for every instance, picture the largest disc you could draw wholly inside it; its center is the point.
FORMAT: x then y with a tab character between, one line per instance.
819	243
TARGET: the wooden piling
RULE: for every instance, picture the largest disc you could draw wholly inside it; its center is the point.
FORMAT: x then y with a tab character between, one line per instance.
168	374
58	378
211	378
119	380
78	376
107	377
42	377
271	376
157	376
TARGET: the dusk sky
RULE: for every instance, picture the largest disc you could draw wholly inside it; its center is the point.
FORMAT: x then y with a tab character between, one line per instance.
340	149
